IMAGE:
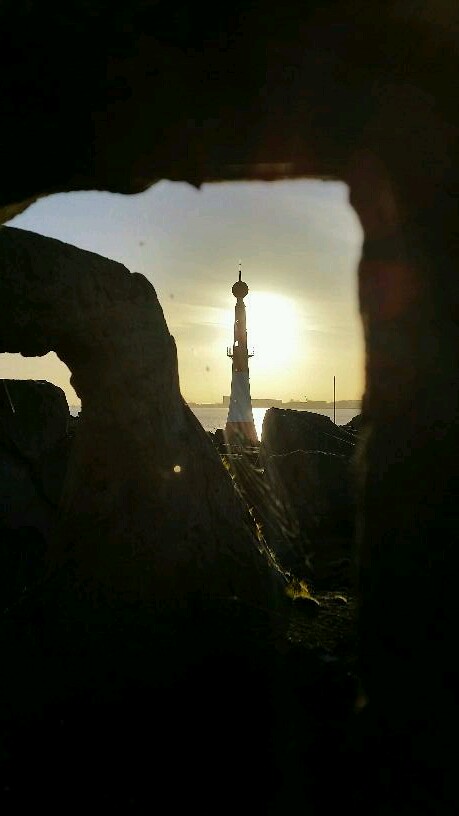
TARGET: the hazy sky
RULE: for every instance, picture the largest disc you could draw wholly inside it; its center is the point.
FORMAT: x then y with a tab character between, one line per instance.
299	244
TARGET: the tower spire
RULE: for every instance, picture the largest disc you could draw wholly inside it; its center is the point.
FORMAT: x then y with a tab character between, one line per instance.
240	426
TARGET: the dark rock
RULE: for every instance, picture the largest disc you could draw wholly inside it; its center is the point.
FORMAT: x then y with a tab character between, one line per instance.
34	454
158	604
22	503
262	91
311	523
52	469
22	554
219	437
34	417
309	605
34	451
148	511
355	426
213	100
286	430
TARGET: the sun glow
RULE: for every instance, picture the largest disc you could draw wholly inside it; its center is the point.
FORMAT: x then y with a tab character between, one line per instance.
272	328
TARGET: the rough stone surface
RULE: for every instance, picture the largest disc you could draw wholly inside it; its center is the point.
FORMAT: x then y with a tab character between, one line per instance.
409	486
156	606
253	91
355	425
355	91
311	518
285	430
34	416
34	453
148	512
22	503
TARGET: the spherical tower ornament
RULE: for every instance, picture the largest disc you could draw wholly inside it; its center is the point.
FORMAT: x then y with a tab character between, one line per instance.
240	288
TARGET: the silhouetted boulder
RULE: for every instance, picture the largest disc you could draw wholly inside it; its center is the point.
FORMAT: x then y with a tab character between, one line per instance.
34	423
310	521
370	105
34	452
34	417
22	500
219	437
305	496
355	425
149	519
286	430
158	599
144	473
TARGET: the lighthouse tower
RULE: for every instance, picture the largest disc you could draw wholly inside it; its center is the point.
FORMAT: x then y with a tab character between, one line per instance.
239	424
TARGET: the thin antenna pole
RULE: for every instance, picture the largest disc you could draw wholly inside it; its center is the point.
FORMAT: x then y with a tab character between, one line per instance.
334	399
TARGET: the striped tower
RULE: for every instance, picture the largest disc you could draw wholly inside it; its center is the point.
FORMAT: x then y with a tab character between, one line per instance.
240	426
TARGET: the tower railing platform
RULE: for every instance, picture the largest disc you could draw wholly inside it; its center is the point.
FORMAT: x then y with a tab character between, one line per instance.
229	352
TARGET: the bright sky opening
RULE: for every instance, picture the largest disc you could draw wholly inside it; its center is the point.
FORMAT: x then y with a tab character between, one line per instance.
299	244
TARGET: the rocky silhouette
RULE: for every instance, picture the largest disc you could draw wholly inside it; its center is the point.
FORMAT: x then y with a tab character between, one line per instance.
154	571
34	452
360	93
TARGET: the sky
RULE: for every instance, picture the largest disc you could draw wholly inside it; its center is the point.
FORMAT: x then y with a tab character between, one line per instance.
299	244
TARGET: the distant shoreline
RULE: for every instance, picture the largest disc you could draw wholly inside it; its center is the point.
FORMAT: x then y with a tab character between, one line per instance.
313	405
258	403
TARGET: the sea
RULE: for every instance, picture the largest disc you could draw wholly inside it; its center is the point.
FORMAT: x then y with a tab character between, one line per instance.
212	417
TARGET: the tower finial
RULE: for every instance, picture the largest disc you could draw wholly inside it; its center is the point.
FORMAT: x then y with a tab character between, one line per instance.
240	269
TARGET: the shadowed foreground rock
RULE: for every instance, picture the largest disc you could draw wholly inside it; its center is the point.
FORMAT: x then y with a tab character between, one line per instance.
154	578
310	519
34	417
351	91
307	506
145	482
34	451
301	486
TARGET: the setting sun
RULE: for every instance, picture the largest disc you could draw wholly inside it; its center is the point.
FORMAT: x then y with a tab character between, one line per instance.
272	322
